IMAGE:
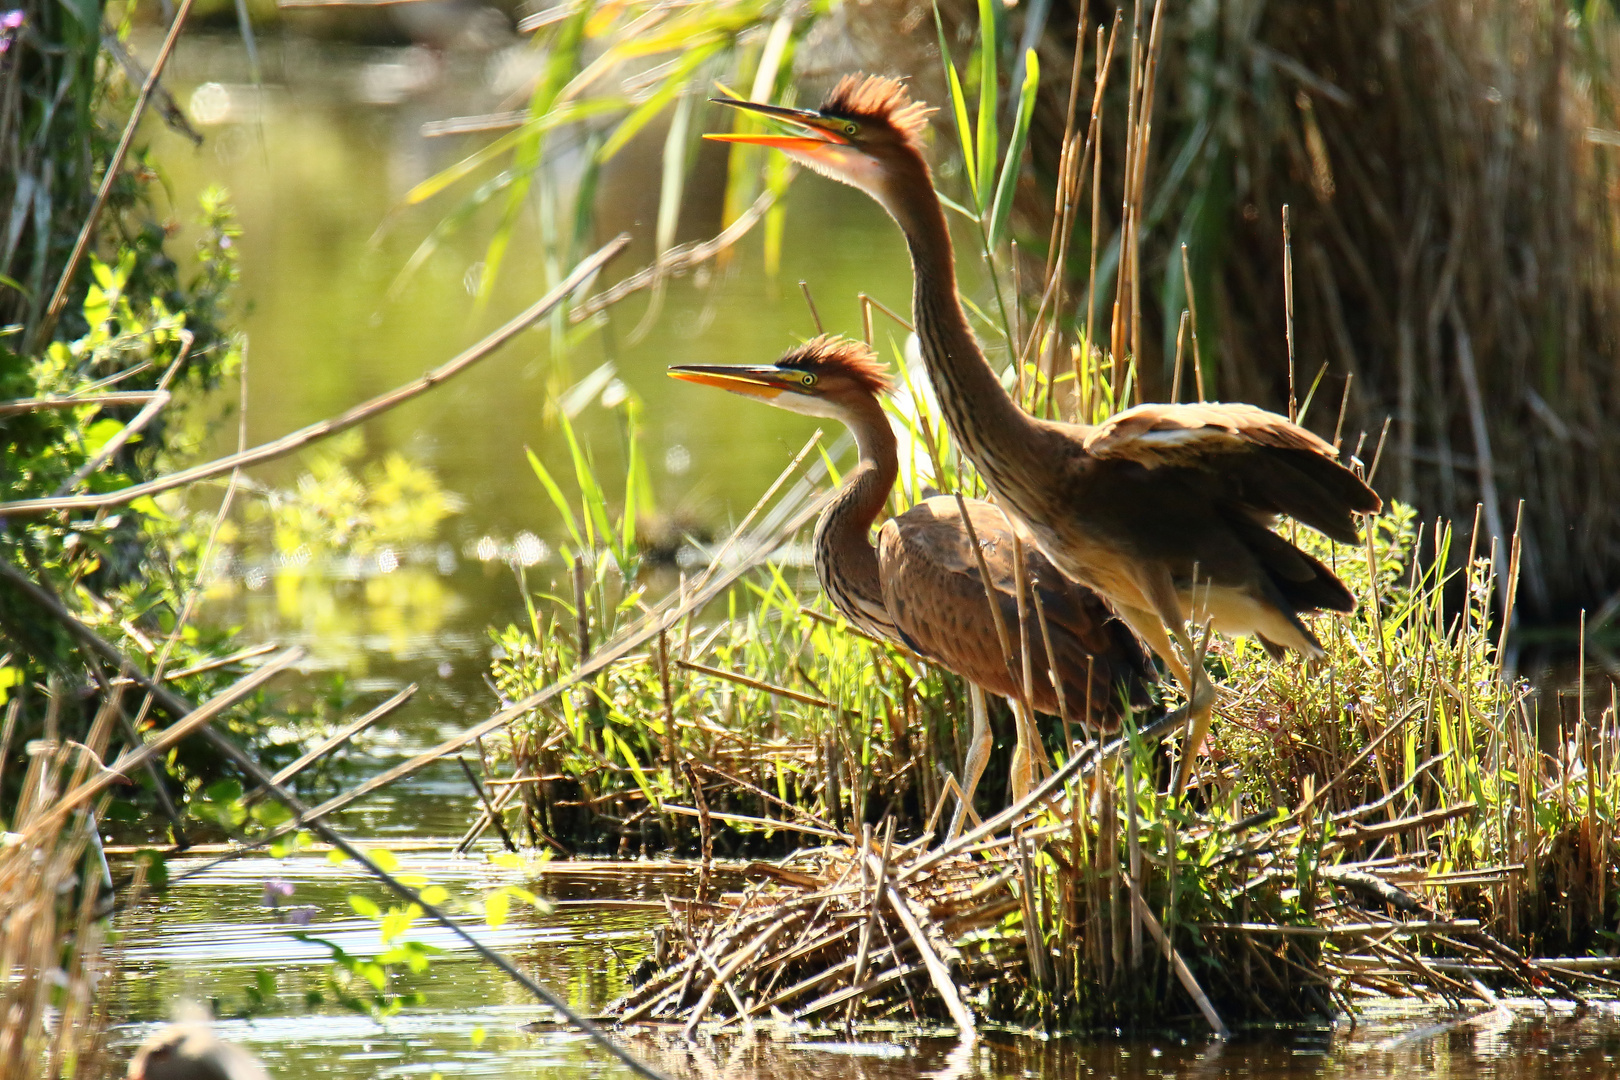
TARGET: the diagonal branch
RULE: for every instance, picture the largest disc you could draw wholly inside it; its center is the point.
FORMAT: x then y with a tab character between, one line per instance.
314	432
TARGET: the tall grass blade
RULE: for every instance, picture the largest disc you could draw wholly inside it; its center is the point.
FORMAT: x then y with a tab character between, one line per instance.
1011	165
964	133
989	135
557	498
674	83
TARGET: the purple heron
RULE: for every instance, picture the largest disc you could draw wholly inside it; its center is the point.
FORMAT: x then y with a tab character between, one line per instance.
1163	509
191	1052
920	586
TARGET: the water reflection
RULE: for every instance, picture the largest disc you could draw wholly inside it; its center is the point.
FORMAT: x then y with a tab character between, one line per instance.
216	933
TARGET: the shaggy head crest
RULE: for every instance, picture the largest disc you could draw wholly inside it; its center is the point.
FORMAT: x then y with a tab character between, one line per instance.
833	355
876	98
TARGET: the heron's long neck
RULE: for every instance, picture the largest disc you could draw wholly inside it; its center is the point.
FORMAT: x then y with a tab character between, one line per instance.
846	561
1002	440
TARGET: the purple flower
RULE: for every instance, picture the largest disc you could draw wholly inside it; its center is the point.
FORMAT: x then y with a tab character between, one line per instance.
276	890
11	20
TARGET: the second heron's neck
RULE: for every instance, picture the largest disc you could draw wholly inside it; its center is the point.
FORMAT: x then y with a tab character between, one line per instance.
846	561
1002	440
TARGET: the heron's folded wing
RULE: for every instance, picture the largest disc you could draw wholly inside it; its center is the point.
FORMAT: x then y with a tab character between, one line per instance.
1263	463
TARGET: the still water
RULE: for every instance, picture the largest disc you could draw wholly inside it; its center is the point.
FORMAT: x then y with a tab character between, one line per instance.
316	162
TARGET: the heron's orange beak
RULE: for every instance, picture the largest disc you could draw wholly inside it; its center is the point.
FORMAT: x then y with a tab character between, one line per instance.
818	131
762	381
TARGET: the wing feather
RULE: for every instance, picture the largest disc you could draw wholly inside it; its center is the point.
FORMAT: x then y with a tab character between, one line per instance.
1267	464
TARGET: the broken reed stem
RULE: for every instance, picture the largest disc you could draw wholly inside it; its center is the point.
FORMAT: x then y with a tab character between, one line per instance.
1192	324
1038	764
1184	974
1096	192
496	817
705	830
1138	181
1133	840
1002	634
1288	307
1181	343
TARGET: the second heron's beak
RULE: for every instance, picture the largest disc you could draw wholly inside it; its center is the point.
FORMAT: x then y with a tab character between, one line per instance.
819	131
762	381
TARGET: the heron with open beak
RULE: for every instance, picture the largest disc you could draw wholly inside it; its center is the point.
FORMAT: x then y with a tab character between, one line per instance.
1164	509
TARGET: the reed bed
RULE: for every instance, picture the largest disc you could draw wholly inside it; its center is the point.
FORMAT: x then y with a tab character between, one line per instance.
54	884
1385	824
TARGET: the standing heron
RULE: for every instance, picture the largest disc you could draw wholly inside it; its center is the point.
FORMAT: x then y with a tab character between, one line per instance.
1163	509
921	585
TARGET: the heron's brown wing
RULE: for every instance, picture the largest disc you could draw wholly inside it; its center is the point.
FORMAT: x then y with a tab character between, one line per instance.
1264	464
934	592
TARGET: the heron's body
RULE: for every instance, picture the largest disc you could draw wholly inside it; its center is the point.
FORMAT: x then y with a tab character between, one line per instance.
920	585
1163	509
932	588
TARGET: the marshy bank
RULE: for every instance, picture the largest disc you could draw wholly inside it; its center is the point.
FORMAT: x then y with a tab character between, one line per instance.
1392	823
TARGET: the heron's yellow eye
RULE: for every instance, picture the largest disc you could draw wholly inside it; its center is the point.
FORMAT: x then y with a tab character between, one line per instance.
851	129
807	379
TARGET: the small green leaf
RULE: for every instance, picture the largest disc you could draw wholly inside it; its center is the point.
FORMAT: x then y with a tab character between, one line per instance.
270	814
435	895
373	974
477	1036
100	433
148	507
386	860
497	906
365	906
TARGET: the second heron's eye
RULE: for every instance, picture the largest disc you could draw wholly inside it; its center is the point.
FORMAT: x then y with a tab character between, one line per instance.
807	379
850	129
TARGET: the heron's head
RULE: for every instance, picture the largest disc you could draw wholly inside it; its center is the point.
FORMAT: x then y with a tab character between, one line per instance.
868	133
826	376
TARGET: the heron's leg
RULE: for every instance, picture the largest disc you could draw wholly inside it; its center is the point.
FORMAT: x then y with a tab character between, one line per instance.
1030	765
978	757
1150	628
1200	690
1023	765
